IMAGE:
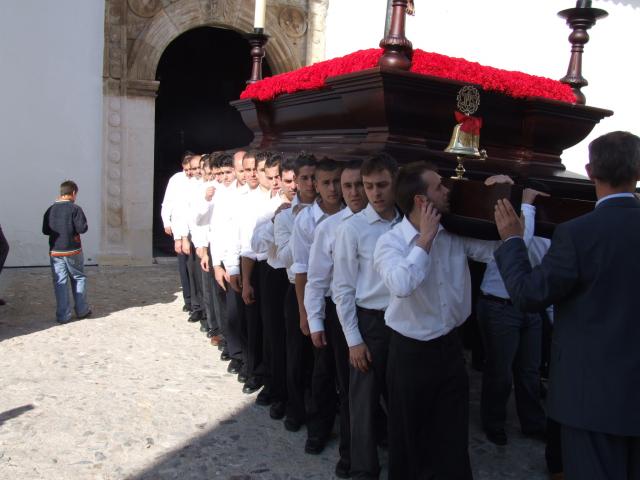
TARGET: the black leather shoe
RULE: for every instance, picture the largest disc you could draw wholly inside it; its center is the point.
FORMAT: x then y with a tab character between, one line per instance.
186	308
242	378
224	356
264	398
499	437
314	445
204	329
291	424
234	366
343	469
195	317
277	410
540	434
2	302
252	385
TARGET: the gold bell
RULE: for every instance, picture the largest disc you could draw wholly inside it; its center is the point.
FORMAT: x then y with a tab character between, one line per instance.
463	144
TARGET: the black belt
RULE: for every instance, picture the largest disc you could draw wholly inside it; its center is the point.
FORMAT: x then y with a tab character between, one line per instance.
378	313
494	299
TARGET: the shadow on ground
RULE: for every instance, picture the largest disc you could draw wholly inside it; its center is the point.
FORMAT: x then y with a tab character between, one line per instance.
31	303
244	447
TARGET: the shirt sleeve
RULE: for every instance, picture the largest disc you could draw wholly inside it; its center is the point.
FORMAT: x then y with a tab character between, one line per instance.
282	237
480	250
168	202
80	221
529	214
300	244
318	280
402	274
262	238
343	286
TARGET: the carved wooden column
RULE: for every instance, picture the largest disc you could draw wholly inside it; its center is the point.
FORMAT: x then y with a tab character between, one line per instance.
398	50
257	40
580	19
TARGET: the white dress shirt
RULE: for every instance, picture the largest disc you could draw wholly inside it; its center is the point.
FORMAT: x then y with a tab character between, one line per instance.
355	282
304	227
430	292
320	271
251	207
263	241
282	230
171	197
221	230
492	283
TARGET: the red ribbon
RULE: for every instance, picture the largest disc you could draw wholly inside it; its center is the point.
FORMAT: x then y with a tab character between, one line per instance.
470	124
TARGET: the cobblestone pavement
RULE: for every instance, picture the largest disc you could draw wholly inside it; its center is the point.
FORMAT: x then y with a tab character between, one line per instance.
136	392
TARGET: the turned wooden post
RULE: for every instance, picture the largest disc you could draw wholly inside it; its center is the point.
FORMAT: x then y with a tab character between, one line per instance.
257	40
397	48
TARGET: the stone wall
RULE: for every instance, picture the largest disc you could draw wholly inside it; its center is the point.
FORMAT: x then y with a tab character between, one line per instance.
136	34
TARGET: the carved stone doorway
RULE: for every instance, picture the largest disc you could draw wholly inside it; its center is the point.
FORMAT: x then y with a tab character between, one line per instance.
200	72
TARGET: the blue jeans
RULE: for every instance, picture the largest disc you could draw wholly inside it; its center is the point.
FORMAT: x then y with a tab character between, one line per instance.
65	269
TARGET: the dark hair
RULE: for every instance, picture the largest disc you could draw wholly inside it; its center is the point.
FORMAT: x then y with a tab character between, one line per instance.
207	160
380	163
304	160
353	164
273	161
224	160
615	158
251	154
187	156
410	183
68	187
327	164
287	165
263	156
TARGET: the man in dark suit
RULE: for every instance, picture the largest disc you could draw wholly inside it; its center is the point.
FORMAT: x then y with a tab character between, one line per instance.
590	274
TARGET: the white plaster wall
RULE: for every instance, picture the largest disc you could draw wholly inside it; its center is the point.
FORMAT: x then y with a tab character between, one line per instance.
50	117
515	35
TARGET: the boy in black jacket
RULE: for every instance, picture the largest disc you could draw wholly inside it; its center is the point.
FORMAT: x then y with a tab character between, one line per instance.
63	222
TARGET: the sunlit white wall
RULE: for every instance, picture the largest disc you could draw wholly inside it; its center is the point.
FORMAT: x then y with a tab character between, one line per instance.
50	117
515	35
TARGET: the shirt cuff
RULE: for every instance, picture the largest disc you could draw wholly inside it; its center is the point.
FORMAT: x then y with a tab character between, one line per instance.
418	256
299	268
316	325
512	237
233	270
528	206
353	337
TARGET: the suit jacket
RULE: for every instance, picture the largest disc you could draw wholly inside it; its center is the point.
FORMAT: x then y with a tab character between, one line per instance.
591	275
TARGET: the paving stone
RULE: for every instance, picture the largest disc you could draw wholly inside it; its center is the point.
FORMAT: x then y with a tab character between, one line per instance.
137	392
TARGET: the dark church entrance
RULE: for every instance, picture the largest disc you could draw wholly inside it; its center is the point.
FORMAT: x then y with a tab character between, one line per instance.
200	72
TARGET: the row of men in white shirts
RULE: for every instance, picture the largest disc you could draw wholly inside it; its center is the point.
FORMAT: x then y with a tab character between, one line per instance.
400	286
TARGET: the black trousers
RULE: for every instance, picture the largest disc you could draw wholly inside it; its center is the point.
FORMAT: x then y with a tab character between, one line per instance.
340	351
195	280
365	392
211	320
553	448
253	323
599	456
428	409
299	359
184	279
235	334
324	395
513	341
273	286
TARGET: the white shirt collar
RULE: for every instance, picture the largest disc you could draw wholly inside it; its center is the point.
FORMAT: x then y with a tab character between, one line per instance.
615	195
372	216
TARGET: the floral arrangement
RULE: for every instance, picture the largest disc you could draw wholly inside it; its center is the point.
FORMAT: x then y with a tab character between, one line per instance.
313	77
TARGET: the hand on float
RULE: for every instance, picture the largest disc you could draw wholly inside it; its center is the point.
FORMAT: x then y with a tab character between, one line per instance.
360	357
429	225
507	220
319	340
529	195
492	180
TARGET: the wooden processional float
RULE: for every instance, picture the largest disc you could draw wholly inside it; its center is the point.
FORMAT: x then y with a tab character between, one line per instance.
406	103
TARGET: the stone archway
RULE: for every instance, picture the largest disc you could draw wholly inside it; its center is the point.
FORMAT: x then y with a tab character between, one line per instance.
136	34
